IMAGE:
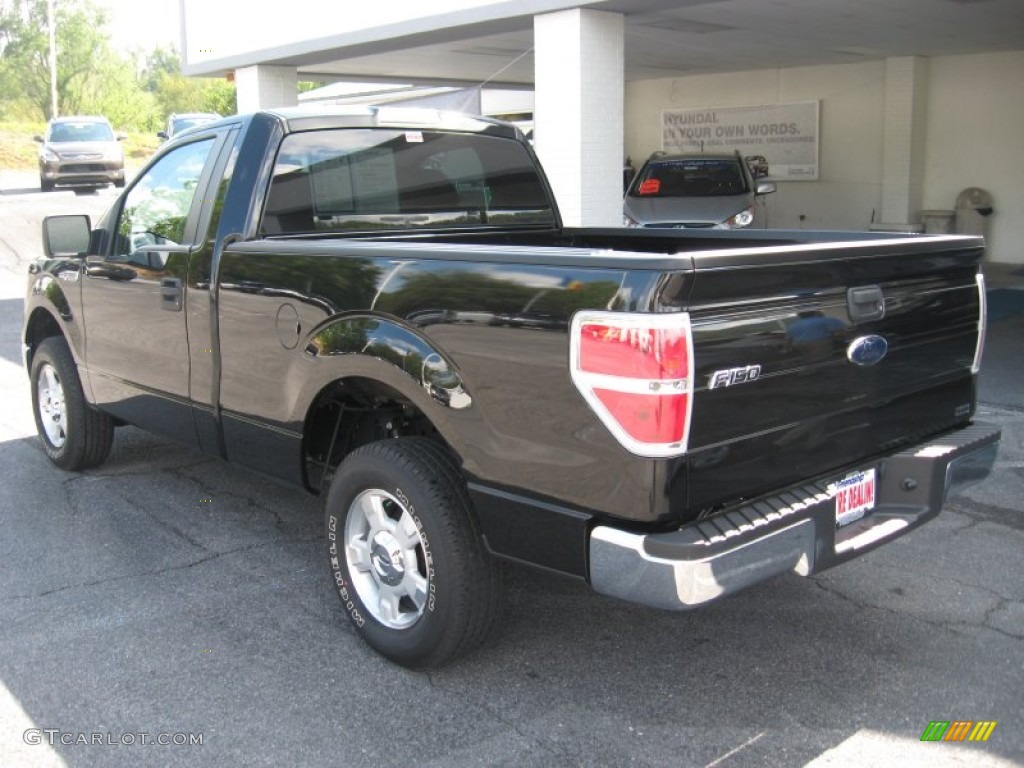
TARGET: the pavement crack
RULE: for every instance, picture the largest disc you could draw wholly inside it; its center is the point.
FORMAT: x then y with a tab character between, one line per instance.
959	582
210	490
990	614
950	627
953	627
562	755
159	571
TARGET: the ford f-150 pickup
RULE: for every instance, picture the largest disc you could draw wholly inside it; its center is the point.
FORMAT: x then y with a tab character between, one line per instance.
383	307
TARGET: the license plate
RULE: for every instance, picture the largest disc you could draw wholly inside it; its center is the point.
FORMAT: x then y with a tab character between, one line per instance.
855	495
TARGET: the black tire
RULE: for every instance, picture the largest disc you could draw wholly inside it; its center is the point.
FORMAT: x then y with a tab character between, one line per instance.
119	183
423	544
74	435
45	185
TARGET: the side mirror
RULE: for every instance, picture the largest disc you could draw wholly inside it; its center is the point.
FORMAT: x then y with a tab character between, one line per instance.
163	135
121	137
38	138
764	187
66	235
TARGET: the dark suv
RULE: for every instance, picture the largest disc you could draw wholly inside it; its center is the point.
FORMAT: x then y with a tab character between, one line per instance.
80	151
682	191
182	122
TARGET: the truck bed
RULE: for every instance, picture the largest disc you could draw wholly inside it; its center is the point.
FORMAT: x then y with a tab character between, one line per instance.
501	310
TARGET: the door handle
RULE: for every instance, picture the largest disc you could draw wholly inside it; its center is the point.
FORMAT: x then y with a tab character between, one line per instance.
864	303
170	294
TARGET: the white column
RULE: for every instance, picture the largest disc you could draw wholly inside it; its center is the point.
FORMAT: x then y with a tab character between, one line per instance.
263	86
903	143
578	112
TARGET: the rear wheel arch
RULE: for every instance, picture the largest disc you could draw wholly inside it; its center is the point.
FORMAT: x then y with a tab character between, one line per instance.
353	411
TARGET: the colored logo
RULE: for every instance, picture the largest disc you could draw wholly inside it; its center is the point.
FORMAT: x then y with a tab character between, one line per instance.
958	730
867	350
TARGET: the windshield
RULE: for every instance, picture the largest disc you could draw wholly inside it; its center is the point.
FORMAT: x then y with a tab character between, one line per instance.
180	124
368	179
85	131
690	177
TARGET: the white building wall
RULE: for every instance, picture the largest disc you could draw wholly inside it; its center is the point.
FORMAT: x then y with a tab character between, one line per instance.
974	109
903	137
578	118
850	140
975	115
264	87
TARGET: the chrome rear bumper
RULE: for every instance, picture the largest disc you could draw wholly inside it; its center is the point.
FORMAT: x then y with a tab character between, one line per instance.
791	531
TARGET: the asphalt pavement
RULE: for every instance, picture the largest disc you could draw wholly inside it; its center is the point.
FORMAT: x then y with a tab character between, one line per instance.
169	597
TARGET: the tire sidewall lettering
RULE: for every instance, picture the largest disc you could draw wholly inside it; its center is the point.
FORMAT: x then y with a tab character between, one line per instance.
428	557
339	566
338	574
454	580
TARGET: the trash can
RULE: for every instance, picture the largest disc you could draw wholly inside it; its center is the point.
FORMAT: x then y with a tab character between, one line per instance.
973	207
938	222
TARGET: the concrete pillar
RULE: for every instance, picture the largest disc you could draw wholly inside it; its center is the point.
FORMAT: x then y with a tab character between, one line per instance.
263	86
903	142
578	113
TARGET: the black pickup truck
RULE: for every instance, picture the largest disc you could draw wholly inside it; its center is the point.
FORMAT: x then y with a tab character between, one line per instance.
383	307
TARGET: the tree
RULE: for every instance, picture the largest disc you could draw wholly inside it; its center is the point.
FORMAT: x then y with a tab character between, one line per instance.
24	52
115	93
176	93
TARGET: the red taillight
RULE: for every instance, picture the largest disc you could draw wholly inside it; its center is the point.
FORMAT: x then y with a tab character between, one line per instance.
636	351
649	187
635	371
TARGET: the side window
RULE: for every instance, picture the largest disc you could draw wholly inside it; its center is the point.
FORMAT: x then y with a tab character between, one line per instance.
157	206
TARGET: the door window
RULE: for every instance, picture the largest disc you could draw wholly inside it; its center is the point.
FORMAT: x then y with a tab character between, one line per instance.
156	209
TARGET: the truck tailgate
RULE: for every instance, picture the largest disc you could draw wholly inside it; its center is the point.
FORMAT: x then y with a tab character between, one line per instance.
808	359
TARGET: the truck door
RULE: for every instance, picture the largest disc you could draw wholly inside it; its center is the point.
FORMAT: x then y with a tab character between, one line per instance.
134	295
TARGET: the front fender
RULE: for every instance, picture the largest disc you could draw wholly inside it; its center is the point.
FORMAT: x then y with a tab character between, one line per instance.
52	305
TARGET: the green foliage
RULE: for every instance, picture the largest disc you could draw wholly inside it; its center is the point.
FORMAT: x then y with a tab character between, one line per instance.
115	92
176	93
91	77
17	150
24	65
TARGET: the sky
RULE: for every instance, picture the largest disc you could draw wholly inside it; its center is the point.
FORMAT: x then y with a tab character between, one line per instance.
142	24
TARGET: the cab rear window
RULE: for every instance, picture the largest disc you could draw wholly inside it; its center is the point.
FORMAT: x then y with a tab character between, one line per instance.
344	180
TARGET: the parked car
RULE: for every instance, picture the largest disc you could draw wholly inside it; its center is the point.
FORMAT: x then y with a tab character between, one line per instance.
81	150
684	191
178	123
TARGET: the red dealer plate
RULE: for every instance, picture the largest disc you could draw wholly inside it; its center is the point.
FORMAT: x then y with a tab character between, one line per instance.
855	495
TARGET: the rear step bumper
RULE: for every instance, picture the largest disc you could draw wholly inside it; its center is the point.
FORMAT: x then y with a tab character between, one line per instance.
791	531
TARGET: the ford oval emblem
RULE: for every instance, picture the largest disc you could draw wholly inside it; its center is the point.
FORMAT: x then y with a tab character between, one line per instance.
867	350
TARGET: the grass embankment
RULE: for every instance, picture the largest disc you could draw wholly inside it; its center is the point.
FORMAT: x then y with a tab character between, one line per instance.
18	152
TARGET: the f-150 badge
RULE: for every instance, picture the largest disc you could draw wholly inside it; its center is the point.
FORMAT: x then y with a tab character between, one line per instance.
731	376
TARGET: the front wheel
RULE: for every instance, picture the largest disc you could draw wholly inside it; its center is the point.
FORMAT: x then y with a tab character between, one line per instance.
405	554
74	436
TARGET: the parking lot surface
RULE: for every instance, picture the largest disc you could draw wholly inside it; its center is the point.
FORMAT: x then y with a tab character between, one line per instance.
168	609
